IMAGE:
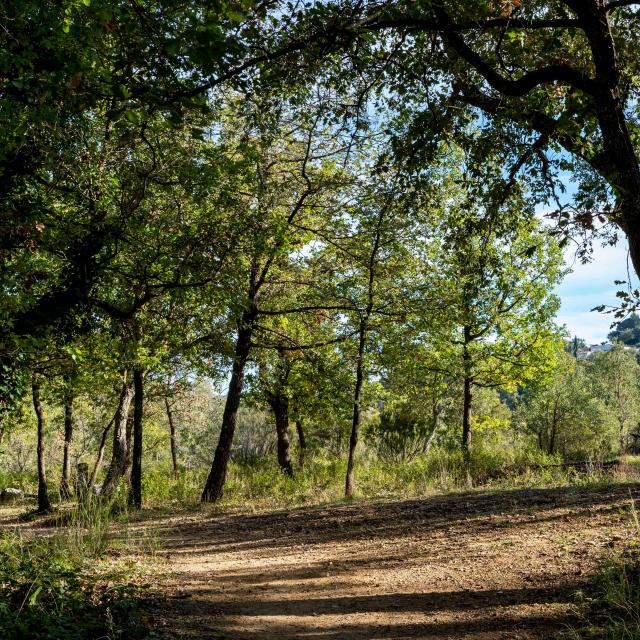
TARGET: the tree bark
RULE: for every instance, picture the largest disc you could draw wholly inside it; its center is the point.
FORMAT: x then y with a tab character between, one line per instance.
172	437
129	432
302	443
65	484
554	429
357	414
101	448
214	486
467	394
436	410
280	406
118	466
44	505
135	491
552	440
466	417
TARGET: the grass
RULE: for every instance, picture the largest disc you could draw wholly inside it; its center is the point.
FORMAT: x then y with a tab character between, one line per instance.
613	606
77	583
261	486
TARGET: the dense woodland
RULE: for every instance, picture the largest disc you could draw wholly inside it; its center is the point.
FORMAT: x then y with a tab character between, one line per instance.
261	246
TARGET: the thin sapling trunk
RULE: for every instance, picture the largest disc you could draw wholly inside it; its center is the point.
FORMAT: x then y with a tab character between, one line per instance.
44	505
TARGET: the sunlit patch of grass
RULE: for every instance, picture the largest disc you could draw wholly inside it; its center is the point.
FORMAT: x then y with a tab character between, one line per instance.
259	484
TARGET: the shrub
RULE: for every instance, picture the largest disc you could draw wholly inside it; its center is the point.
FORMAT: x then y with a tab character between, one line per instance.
46	591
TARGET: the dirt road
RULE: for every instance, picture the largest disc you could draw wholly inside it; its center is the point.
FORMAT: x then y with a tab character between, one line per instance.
504	564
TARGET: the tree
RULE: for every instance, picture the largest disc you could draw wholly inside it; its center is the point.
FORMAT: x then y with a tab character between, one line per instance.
84	84
366	248
44	505
616	375
489	321
277	397
627	331
536	77
565	415
287	173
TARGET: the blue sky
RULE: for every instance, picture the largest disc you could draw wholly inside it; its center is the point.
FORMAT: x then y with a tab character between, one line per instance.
590	285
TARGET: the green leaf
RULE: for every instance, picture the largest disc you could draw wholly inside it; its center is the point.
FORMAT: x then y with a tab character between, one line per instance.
133	116
34	596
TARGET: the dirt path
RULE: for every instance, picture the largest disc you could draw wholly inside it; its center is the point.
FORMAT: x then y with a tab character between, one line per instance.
500	564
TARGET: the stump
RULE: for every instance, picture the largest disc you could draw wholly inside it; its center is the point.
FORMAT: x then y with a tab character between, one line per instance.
82	481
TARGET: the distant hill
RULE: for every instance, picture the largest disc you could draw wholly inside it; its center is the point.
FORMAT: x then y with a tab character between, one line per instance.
627	331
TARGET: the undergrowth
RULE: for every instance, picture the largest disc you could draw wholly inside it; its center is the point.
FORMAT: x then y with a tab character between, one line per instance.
70	585
260	484
613	606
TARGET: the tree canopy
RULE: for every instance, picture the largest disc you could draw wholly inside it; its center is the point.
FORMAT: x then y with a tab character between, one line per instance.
329	209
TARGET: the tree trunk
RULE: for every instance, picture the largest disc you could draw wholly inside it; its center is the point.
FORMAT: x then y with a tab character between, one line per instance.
129	432
466	417
355	423
552	440
135	491
100	456
435	417
554	428
436	410
83	486
65	485
302	443
44	505
118	466
623	438
280	405
467	395
172	437
214	486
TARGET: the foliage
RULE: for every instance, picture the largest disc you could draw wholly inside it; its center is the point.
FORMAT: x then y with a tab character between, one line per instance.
616	376
615	614
48	591
403	431
566	415
627	330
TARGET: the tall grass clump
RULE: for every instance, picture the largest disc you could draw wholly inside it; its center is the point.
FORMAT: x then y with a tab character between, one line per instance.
88	528
50	590
614	610
65	583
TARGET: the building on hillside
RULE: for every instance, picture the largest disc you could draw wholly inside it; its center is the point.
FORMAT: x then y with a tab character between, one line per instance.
604	347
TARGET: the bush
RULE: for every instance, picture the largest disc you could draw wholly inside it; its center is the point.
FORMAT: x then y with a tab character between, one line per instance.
614	608
402	432
46	591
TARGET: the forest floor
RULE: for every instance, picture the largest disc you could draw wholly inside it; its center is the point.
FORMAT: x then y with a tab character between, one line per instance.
483	565
488	564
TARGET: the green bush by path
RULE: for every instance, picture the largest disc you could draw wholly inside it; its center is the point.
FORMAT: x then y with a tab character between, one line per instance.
613	611
47	592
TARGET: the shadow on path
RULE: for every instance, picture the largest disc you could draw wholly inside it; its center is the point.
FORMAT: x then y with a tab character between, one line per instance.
482	565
